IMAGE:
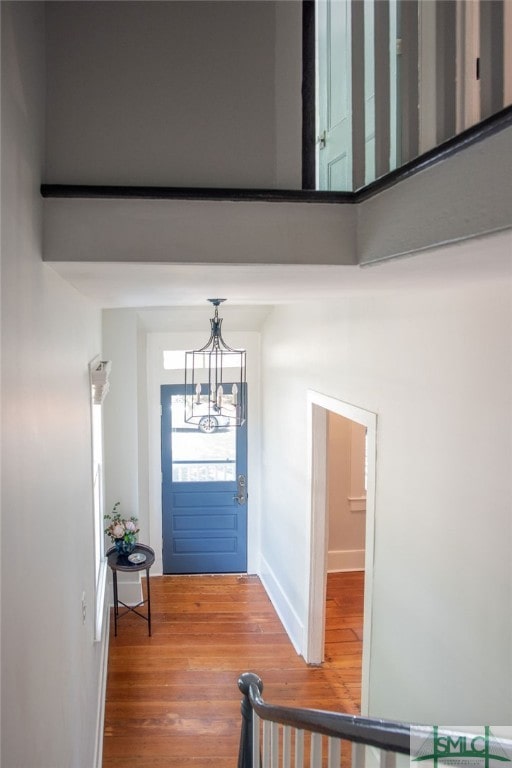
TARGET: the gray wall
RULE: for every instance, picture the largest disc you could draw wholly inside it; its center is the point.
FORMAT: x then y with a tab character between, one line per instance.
174	93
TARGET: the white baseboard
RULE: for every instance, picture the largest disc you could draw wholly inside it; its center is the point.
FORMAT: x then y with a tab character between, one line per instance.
102	689
129	590
345	560
284	609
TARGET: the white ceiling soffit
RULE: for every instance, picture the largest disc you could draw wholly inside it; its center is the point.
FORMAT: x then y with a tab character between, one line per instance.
235	317
122	285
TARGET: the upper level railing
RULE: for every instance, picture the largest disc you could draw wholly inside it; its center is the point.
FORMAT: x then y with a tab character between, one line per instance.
396	78
389	88
275	736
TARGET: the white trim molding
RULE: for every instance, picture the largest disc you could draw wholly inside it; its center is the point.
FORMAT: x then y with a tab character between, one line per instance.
102	689
340	560
99	371
357	503
317	407
284	609
130	589
101	590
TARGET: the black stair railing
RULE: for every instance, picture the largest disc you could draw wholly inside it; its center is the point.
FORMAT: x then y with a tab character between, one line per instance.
266	737
381	734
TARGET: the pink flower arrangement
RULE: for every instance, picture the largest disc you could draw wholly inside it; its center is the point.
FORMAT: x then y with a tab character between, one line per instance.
120	528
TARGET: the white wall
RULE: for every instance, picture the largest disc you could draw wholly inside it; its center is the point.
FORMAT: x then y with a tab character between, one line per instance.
198	232
121	414
51	666
468	194
123	432
173	93
346	496
288	90
435	366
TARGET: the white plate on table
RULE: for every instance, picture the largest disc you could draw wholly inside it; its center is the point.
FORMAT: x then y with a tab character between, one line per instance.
137	558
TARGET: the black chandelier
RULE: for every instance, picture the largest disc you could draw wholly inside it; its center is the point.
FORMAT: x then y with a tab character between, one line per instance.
215	380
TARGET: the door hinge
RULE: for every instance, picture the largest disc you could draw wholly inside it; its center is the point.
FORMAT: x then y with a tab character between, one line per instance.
322	140
399	46
477	68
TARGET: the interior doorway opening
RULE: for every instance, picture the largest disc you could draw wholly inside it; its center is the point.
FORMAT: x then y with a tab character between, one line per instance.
319	407
346	503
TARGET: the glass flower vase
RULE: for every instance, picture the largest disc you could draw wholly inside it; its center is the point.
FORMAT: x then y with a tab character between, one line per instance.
124	547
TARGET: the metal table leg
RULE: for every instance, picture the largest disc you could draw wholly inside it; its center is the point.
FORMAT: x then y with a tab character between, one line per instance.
149	601
116	602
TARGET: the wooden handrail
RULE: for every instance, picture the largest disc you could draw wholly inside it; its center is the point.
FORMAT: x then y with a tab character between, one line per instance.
472	135
383	734
386	735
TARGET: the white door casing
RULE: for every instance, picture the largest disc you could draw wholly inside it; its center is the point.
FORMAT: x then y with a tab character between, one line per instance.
317	407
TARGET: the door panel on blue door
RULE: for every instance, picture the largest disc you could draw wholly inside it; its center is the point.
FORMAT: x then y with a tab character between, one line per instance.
204	515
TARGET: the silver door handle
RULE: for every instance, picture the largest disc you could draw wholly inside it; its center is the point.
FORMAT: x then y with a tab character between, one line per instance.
241	496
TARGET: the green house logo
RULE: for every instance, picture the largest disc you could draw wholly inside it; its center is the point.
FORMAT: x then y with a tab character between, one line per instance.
473	750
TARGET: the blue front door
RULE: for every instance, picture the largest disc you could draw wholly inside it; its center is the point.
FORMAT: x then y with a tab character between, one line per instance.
204	491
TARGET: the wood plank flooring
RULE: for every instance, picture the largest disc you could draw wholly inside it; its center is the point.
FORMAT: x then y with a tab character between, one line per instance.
173	700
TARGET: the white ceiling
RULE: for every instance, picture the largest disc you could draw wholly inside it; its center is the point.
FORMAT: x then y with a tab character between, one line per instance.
115	285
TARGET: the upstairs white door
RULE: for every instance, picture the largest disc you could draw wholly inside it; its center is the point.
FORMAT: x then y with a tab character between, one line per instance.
334	88
369	91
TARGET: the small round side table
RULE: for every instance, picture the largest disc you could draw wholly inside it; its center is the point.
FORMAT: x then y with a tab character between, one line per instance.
119	562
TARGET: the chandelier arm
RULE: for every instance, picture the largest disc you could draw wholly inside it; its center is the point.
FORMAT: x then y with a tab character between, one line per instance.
216	363
226	348
205	348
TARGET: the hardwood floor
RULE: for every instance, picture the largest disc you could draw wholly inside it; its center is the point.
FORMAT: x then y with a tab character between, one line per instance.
173	700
